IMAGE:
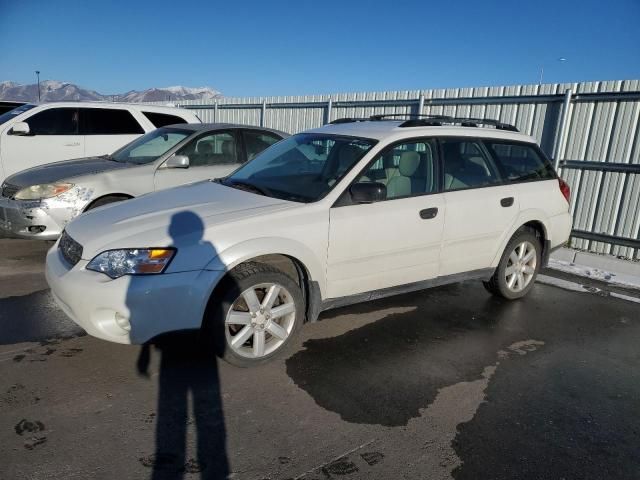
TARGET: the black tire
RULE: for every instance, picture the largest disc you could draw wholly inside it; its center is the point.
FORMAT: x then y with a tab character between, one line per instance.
497	285
239	280
105	201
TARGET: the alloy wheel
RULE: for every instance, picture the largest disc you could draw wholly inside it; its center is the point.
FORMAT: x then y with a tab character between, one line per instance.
260	320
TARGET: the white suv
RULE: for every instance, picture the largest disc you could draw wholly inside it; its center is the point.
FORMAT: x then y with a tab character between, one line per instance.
345	213
32	135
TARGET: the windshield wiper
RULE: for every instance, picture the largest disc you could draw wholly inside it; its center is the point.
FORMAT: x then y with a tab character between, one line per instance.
247	187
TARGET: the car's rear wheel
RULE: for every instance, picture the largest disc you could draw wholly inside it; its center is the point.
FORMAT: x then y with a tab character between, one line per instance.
259	313
518	267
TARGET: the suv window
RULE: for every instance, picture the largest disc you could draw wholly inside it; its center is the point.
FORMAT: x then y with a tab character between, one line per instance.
520	161
466	165
162	119
257	141
406	169
108	121
214	149
54	121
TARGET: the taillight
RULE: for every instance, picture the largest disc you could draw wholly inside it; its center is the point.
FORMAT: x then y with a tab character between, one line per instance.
565	189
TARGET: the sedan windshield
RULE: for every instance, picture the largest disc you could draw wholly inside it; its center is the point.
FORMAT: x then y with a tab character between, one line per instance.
151	146
302	168
11	114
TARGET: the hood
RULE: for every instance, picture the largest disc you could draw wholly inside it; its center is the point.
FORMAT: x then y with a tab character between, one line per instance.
65	170
180	217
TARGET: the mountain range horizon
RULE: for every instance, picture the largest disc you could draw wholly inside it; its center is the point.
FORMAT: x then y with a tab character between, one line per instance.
56	91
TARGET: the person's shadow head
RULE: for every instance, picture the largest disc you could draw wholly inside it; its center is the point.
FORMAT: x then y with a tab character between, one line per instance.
188	369
186	228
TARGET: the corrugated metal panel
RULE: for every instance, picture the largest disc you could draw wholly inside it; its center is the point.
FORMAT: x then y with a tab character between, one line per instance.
600	130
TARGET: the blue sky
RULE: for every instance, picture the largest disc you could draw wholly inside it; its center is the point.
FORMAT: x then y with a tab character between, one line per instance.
300	47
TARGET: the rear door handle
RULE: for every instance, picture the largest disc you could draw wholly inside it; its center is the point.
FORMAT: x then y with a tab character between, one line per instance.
428	213
506	202
73	144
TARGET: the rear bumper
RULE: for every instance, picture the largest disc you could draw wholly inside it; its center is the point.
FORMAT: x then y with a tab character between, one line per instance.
150	305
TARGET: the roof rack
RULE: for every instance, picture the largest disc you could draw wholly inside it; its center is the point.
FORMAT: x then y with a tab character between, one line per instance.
348	120
416	120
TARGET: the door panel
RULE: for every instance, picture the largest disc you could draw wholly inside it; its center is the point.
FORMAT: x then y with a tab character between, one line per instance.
479	207
383	244
107	129
475	224
54	137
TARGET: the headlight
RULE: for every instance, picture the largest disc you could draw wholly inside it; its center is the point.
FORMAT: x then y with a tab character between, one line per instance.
45	190
132	261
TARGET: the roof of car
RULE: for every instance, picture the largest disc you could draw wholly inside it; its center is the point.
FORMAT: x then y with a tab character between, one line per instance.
384	129
105	104
200	127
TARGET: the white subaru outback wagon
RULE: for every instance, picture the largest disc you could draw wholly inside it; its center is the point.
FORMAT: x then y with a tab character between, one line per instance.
348	212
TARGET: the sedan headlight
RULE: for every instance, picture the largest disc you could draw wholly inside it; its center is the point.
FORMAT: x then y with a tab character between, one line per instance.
45	190
132	261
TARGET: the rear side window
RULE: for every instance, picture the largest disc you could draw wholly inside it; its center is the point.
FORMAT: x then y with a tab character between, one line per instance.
162	119
256	141
466	164
520	161
108	121
54	121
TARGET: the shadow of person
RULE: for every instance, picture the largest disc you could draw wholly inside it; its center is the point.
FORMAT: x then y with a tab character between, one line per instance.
188	368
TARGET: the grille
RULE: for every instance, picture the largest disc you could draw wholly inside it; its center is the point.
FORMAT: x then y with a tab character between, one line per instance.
70	249
8	191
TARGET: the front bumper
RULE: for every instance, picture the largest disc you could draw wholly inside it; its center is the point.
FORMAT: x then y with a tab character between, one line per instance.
37	219
149	304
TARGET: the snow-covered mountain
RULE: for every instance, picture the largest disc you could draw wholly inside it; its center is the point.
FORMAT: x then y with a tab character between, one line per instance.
55	91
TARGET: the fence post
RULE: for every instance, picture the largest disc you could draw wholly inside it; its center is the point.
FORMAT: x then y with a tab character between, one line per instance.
215	111
562	127
420	104
264	113
327	118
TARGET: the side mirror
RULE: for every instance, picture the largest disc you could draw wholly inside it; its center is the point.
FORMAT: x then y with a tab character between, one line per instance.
20	128
177	161
368	192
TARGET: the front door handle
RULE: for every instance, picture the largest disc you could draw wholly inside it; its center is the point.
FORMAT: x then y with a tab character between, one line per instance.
428	213
73	144
506	202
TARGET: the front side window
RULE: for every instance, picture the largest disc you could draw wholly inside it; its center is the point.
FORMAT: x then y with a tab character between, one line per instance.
54	121
519	161
257	141
302	168
466	165
214	149
151	146
406	169
108	121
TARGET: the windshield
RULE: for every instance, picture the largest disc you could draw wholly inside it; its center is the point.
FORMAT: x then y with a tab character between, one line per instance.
151	146
302	168
11	114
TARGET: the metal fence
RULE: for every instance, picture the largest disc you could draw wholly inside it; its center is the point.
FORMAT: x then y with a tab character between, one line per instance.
591	129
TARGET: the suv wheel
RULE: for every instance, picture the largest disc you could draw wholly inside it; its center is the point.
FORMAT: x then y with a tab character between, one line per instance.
261	311
518	267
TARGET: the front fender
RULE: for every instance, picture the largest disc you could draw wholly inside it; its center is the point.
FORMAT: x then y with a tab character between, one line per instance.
247	250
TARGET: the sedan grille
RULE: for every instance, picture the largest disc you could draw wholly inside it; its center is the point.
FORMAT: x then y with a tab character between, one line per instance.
8	191
70	249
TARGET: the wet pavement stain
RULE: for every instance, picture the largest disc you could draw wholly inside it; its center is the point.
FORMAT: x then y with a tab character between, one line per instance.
385	372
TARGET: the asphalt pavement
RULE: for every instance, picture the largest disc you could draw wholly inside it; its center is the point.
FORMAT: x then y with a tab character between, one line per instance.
445	383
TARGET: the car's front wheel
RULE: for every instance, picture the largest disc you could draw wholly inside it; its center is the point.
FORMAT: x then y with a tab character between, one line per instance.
518	267
258	314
